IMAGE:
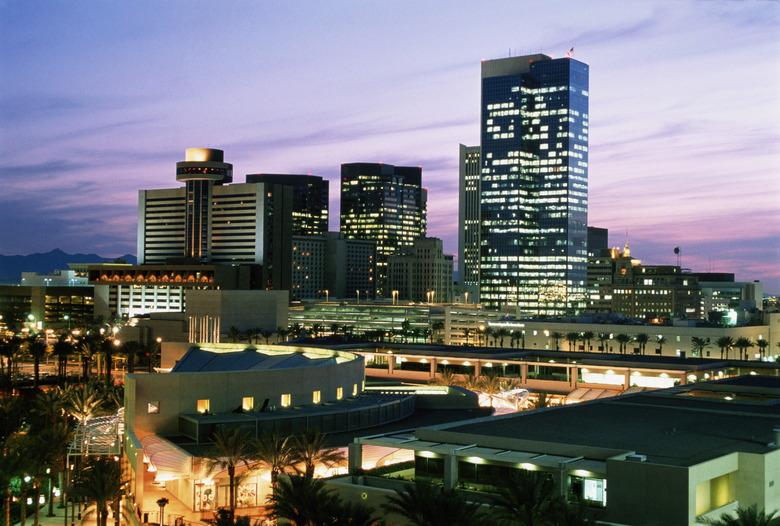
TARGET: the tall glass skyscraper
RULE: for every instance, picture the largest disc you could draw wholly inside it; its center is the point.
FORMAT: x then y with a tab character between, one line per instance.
385	204
534	184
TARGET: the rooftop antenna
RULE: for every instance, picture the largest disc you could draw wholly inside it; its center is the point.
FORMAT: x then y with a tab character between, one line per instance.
570	53
678	252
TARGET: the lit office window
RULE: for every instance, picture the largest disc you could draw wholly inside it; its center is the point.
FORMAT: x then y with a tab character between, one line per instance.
153	408
286	400
354	390
248	403
316	396
339	393
203	406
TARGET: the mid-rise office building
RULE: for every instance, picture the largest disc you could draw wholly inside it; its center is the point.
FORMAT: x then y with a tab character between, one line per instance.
309	254
309	201
46	306
598	240
212	221
385	204
468	219
621	284
422	272
534	184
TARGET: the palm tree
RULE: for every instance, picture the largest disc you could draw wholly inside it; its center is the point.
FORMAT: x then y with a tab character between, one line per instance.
266	334
445	377
501	333
489	336
743	344
281	334
276	453
101	483
556	338
107	349
424	504
528	498
603	338
748	517
571	339
698	345
762	345
233	334
642	340
232	448
131	350
587	336
491	386
303	501
466	334
82	402
61	350
660	340
317	329
725	343
37	349
622	340
436	328
310	449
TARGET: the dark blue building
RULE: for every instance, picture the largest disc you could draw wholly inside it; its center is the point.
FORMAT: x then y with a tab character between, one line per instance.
534	184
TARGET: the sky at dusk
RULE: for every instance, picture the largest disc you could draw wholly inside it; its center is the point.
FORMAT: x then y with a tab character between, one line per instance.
99	99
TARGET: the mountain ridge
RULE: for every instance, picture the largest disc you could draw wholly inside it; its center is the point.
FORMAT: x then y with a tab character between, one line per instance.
12	266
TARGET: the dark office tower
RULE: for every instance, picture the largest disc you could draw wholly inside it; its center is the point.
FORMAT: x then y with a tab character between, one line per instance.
310	200
468	218
534	184
385	204
598	241
201	169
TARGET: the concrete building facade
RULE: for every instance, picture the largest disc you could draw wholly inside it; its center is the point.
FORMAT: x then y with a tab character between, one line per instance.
421	273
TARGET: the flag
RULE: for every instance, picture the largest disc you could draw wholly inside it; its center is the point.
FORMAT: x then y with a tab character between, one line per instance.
570	53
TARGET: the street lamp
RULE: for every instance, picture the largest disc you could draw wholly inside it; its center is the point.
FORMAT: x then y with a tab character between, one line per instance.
395	296
327	295
358	296
67	318
162	503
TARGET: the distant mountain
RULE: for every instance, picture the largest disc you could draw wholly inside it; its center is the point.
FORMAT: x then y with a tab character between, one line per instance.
11	267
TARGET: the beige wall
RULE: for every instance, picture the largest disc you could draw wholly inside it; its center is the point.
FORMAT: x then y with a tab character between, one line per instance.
178	393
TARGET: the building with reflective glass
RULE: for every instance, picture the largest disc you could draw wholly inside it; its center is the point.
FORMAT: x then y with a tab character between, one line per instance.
534	184
385	204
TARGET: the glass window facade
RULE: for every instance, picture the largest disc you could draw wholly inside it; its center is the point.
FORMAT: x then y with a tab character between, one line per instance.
534	184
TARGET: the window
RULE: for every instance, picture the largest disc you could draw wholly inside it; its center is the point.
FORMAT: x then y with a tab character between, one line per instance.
248	403
316	396
203	406
339	393
153	407
354	390
286	400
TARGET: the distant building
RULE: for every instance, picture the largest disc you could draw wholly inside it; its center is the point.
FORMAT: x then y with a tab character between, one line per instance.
598	240
722	296
468	219
385	204
534	184
309	255
43	307
422	272
309	203
350	267
213	314
58	278
622	284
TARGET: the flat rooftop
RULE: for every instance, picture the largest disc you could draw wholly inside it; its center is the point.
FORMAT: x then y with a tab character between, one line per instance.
672	426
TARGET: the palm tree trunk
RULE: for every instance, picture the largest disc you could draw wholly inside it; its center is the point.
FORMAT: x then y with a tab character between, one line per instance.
232	491
23	509
36	373
7	506
51	496
37	505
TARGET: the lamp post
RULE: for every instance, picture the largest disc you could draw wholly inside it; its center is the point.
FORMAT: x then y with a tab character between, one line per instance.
159	351
162	503
395	296
327	295
358	296
67	318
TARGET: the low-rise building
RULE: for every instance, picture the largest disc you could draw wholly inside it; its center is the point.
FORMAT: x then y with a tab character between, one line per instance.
679	456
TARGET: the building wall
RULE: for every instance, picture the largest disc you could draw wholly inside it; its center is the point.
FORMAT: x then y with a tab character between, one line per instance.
468	218
422	272
308	267
47	305
211	313
178	393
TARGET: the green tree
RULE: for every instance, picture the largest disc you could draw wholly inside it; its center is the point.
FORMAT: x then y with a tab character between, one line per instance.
501	333
587	336
750	516
642	340
762	345
660	340
37	349
571	339
131	350
276	453
100	483
234	334
436	330
310	449
490	385
698	345
725	344
603	338
232	448
282	334
528	498
623	340
82	402
556	338
743	344
424	504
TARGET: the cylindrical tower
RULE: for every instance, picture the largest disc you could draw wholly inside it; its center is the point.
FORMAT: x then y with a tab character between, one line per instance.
201	169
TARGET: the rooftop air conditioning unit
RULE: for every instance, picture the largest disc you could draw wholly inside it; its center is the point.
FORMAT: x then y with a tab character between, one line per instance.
636	457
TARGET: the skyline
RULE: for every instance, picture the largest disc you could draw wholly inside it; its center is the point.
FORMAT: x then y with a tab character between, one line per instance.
80	135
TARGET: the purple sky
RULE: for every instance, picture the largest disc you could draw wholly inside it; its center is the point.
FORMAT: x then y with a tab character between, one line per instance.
99	99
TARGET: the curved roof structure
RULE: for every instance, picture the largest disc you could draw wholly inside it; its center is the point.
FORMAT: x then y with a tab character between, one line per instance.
239	358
